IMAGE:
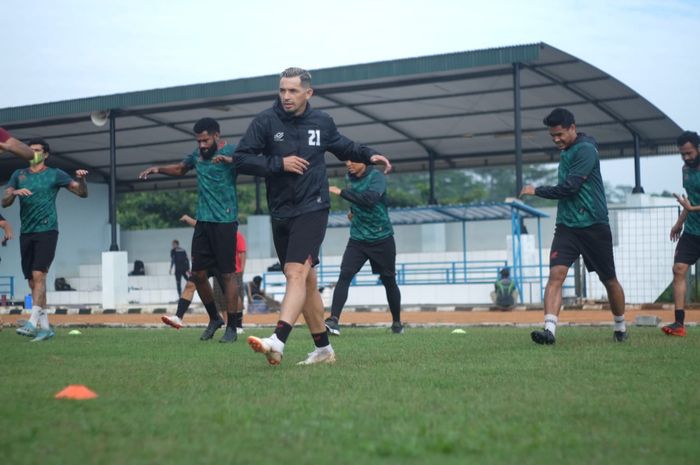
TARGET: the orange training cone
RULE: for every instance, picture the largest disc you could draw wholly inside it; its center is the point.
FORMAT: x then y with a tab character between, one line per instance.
77	392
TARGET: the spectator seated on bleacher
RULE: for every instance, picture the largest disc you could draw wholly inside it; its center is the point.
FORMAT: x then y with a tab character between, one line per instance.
258	302
505	294
139	269
60	284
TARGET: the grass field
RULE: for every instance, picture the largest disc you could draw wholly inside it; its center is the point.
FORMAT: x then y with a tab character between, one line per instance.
428	396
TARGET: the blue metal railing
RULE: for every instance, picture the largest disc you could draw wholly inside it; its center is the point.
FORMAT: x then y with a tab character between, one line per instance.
434	273
7	286
446	272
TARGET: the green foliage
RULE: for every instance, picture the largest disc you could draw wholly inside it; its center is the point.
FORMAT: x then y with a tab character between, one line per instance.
693	291
155	209
163	209
489	396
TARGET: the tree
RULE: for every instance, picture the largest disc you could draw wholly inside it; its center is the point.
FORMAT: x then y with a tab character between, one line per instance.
157	209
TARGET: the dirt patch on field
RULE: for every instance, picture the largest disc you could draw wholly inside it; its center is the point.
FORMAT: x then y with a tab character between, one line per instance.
417	318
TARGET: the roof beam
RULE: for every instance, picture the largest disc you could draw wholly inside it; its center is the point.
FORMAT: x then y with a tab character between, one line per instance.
582	94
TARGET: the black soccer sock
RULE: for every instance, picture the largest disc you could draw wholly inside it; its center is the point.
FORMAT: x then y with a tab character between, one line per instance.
340	295
211	311
321	339
680	316
182	306
231	319
239	319
282	330
393	296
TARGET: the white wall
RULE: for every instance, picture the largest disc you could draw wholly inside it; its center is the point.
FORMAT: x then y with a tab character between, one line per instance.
83	234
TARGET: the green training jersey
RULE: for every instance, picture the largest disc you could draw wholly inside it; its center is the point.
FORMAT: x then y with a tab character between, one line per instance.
370	217
588	206
217	201
691	184
37	212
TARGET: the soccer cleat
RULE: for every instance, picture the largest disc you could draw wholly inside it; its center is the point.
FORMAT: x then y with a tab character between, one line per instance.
211	329
231	335
620	336
332	326
543	337
397	327
27	329
240	330
320	355
43	335
269	347
674	329
173	321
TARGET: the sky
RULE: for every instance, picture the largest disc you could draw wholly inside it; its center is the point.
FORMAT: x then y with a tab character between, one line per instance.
60	50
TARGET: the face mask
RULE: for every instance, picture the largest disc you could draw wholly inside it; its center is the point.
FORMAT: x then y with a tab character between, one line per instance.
38	158
208	153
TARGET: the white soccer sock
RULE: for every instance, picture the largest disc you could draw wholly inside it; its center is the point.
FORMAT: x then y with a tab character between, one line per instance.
550	323
276	343
620	323
34	317
327	348
44	319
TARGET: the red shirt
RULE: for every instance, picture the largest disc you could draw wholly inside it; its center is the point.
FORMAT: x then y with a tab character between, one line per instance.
240	248
4	135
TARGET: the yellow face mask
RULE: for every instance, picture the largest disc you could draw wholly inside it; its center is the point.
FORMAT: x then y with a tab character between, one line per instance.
38	158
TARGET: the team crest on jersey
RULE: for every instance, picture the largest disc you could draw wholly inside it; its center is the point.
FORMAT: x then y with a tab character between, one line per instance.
279	137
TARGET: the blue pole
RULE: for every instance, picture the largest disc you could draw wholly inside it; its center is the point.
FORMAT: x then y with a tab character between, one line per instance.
464	249
539	250
517	254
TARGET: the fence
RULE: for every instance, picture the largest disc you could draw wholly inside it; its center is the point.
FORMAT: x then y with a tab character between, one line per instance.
7	286
643	252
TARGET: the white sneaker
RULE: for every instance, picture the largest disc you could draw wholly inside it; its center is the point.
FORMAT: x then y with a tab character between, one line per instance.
173	321
271	347
320	355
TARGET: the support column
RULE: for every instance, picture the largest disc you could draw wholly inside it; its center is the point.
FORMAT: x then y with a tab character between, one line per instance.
432	200
638	189
517	130
258	210
113	181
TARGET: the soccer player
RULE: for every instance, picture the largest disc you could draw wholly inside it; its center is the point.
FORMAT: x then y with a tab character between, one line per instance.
293	138
214	239
12	145
181	264
688	248
371	238
37	187
582	226
6	230
219	296
218	293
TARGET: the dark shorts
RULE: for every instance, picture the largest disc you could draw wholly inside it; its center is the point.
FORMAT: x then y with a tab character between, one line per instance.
214	246
381	255
299	239
593	242
37	250
687	249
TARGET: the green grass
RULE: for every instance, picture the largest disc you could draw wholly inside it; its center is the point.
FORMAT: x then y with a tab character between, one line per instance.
488	396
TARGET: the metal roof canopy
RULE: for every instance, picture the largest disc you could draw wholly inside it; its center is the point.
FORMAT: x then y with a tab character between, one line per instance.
442	112
485	211
458	110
